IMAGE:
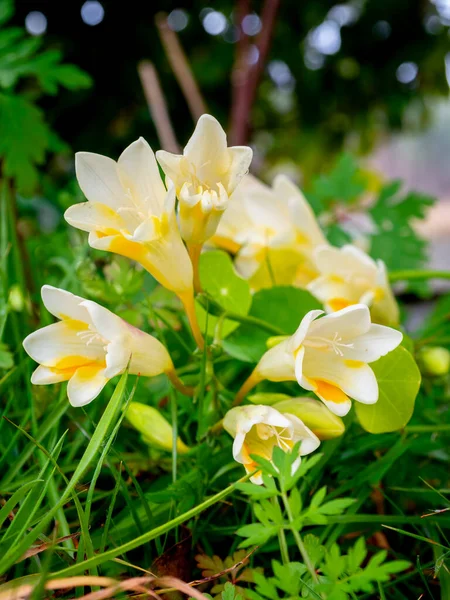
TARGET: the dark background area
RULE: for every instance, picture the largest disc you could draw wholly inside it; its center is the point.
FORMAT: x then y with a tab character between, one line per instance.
354	95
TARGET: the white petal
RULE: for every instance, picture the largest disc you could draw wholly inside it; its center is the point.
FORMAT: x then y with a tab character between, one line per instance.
98	178
207	149
100	242
299	365
277	364
303	329
86	384
138	172
356	379
145	232
348	323
59	346
171	165
348	261
241	157
62	304
148	356
90	216
310	441
108	324
118	355
246	262
45	375
374	344
302	213
334	293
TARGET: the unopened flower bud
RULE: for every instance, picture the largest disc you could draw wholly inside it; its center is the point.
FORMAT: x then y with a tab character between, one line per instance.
155	430
275	340
315	415
16	299
434	360
267	398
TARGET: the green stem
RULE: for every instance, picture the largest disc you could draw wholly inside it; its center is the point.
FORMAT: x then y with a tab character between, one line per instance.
417	274
249	320
298	539
427	428
282	540
174	415
148	536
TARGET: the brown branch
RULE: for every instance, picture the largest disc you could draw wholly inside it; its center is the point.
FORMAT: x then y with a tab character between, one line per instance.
180	66
157	106
239	74
240	127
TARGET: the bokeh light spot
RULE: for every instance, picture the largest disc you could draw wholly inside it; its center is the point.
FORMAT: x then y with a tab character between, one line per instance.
36	22
92	12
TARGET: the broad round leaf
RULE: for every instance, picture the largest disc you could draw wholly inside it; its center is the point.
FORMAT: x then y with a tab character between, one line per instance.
398	380
282	307
225	286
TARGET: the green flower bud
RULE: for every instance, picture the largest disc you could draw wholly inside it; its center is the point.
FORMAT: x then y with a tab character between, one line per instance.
434	360
16	298
267	398
156	431
275	340
315	415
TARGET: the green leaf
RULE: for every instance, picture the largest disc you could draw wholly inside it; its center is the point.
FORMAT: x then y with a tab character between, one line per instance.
256	534
343	184
24	138
283	307
229	592
225	286
396	241
6	10
398	381
6	357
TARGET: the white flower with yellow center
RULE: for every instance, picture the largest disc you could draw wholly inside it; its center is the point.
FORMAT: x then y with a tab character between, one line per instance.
205	176
330	357
257	429
273	232
129	212
89	346
349	276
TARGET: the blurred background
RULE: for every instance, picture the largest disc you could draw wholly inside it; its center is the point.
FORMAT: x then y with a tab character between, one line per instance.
299	81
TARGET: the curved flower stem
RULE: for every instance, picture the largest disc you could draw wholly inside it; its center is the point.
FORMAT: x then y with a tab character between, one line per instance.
417	274
248	319
246	387
282	539
178	384
194	251
189	306
298	539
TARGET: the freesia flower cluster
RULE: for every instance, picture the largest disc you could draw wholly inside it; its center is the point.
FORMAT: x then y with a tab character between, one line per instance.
207	197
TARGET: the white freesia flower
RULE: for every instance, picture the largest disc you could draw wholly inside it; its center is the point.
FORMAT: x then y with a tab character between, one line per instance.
89	346
349	276
205	176
257	429
130	213
272	231
330	357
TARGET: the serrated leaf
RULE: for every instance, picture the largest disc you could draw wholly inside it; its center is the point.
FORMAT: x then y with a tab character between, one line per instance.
336	507
396	241
398	381
318	497
256	534
344	183
23	140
